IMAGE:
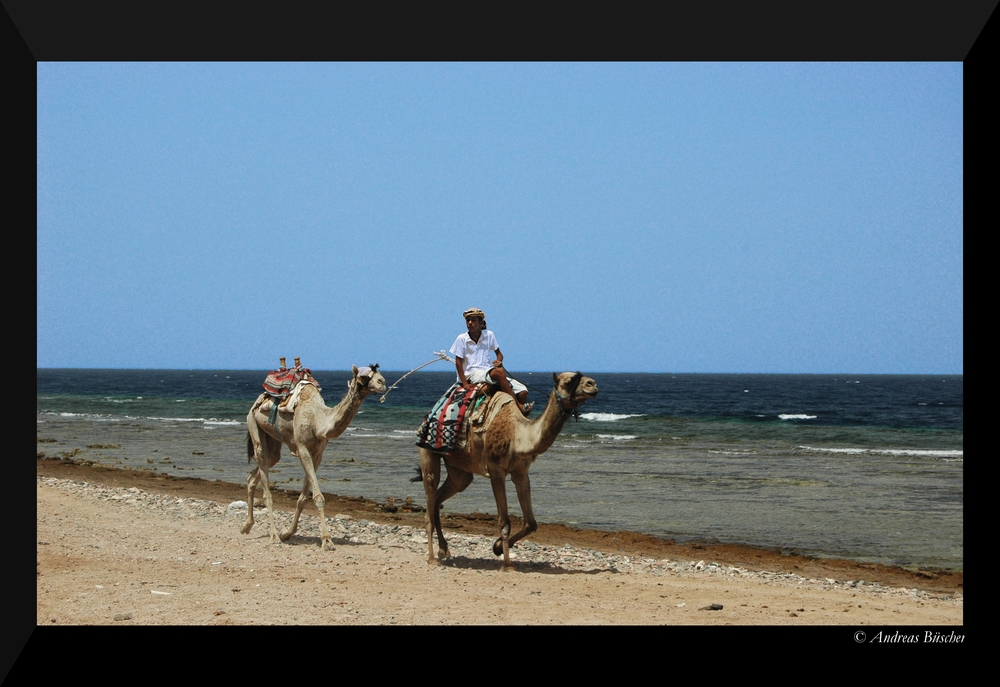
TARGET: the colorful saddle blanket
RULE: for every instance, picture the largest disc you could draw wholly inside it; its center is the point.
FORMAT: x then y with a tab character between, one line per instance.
441	428
280	383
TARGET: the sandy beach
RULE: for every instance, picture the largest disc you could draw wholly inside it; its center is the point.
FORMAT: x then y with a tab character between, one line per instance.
136	547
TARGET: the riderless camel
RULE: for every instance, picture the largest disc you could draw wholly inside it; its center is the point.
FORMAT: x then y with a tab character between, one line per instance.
305	432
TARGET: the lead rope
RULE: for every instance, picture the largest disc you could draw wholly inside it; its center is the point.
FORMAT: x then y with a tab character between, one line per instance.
441	355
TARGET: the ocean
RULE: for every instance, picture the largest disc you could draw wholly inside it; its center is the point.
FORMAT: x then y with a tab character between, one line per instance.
862	467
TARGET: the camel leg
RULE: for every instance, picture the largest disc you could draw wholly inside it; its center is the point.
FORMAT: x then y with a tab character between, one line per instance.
252	481
523	486
497	481
267	451
299	505
456	482
430	469
266	486
253	451
309	460
320	501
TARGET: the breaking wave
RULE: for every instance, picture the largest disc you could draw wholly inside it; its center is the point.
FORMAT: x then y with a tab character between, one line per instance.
607	417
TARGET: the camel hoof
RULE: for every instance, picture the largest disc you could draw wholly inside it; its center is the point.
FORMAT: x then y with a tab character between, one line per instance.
285	536
246	528
443	554
433	561
498	547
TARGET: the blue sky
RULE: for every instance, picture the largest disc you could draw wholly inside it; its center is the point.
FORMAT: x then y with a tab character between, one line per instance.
653	217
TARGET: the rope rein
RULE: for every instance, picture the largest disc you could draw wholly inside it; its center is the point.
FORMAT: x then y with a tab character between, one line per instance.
441	355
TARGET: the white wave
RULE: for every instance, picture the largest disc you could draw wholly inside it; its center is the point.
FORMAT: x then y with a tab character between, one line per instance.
368	433
617	437
607	417
789	416
204	420
87	416
941	453
932	452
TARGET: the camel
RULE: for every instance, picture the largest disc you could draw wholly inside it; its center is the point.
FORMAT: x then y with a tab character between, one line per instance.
507	445
305	432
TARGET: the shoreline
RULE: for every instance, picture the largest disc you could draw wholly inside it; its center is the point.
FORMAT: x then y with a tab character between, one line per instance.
632	544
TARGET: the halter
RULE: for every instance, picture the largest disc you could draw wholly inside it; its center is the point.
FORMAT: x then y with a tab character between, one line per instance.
359	386
574	382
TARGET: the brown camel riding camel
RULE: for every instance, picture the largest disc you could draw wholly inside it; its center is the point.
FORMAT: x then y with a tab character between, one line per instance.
305	432
509	443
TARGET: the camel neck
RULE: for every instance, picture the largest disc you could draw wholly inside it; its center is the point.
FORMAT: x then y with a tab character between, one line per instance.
341	415
540	434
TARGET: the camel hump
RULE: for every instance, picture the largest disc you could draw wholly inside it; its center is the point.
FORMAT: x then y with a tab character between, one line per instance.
306	389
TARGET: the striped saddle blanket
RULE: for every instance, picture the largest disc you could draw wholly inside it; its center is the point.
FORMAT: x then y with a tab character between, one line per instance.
442	428
280	383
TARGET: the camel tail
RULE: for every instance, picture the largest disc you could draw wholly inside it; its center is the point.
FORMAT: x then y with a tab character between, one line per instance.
419	477
249	447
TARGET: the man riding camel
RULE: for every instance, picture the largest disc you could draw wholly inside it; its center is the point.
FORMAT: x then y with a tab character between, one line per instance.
472	360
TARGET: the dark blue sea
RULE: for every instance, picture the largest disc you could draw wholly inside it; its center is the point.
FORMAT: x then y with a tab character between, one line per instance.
867	468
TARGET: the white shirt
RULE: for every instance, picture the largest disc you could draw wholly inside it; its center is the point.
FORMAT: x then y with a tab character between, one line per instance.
475	355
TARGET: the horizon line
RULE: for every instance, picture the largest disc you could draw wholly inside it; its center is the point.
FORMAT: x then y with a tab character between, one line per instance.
261	369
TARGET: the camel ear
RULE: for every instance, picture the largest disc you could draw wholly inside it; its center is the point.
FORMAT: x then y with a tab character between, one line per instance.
354	370
555	378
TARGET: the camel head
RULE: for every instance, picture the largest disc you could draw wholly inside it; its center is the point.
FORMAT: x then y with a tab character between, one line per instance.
368	380
572	389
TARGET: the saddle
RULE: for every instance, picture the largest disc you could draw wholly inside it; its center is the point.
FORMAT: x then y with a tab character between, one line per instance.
282	388
457	414
484	408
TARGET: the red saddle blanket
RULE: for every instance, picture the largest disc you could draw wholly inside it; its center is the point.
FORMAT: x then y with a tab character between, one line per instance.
440	429
279	383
